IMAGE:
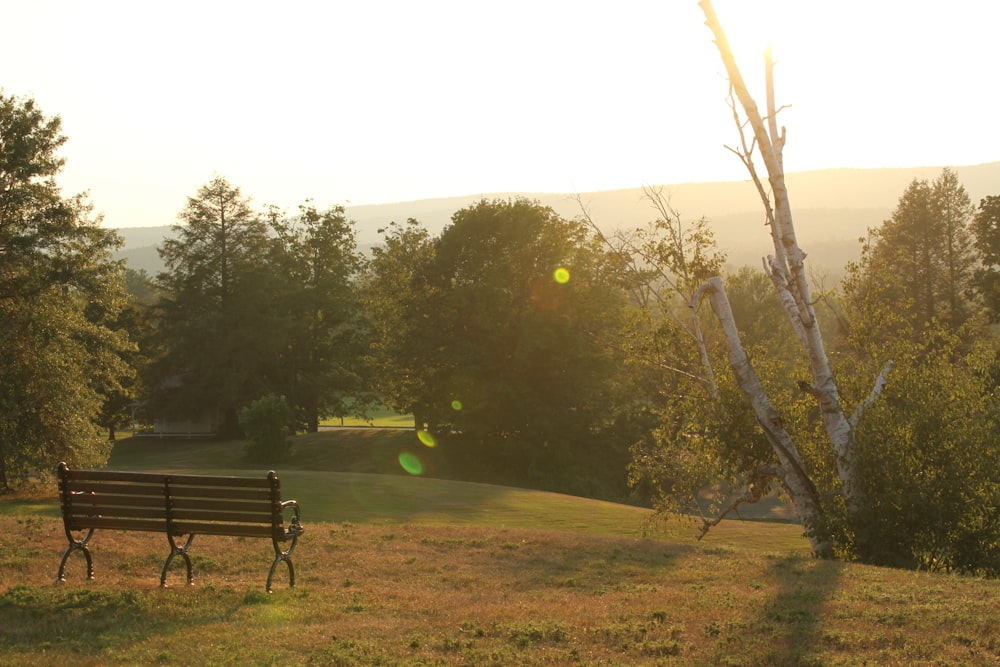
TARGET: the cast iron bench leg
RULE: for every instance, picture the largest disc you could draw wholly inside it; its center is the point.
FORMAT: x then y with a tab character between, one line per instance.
77	545
178	551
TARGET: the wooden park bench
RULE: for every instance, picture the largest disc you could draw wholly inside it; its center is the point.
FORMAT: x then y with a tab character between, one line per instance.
176	505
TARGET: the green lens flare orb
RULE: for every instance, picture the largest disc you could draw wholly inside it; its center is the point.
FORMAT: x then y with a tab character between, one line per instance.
426	439
561	275
411	463
456	405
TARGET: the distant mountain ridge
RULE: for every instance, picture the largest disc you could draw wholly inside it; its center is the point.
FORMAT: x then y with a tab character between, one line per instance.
833	208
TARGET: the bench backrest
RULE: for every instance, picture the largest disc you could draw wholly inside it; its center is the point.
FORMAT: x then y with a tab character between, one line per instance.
171	503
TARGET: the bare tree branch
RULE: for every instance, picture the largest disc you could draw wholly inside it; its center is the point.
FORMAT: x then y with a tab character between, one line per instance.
755	491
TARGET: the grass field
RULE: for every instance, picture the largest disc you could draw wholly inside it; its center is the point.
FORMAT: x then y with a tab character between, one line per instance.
400	570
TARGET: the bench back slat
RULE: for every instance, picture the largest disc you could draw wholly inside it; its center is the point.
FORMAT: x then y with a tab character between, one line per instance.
85	503
232	529
180	491
82	486
116	523
158	477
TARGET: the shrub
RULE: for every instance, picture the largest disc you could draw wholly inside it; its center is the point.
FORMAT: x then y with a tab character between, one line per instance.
265	423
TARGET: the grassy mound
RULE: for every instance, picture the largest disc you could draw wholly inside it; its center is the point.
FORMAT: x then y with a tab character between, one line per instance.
402	570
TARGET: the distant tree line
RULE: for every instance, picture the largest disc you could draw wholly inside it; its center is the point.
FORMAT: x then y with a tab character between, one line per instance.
531	349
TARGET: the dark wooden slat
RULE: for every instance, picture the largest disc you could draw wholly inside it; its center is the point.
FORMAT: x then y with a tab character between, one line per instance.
236	493
221	480
223	504
84	523
159	478
230	517
233	530
113	476
117	512
82	486
86	501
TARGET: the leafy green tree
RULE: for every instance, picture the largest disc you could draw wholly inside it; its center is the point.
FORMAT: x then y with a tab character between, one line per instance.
61	354
395	298
321	371
518	332
926	449
135	319
217	321
929	459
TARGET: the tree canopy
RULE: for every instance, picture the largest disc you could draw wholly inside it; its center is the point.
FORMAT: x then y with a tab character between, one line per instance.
253	304
507	343
61	353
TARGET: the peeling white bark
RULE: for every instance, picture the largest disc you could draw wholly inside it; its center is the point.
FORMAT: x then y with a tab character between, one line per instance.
787	272
791	471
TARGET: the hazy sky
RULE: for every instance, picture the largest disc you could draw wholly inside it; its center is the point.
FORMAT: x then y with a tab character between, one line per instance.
371	101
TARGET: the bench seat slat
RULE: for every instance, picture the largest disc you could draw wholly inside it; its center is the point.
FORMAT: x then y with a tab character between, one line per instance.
109	490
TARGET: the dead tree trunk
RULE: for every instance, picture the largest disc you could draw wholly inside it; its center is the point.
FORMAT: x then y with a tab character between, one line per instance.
786	268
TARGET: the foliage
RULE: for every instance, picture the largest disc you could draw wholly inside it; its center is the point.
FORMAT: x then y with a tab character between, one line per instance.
253	303
707	435
501	344
917	267
929	460
316	263
927	452
216	319
986	230
266	423
394	303
62	354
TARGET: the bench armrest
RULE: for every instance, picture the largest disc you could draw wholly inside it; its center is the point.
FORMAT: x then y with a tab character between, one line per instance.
294	527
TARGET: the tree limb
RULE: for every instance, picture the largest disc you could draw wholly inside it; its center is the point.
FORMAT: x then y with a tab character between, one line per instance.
880	383
756	489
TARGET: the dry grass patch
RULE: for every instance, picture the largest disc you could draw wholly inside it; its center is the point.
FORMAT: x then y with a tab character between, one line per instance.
414	594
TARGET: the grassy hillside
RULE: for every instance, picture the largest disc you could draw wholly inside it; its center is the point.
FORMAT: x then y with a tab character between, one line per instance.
398	570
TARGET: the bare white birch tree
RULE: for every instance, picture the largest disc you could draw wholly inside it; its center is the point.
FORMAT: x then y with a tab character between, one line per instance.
786	269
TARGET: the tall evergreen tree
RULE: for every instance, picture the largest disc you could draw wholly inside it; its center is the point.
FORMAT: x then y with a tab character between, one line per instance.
216	310
918	267
986	230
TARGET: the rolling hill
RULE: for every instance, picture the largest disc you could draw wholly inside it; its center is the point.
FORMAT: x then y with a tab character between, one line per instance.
833	208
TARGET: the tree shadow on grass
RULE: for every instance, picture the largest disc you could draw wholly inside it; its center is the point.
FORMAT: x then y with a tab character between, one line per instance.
787	627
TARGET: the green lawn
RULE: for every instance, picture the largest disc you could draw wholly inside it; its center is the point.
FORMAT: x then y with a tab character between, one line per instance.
401	570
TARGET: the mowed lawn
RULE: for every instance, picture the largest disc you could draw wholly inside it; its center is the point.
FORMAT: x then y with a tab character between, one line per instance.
403	570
